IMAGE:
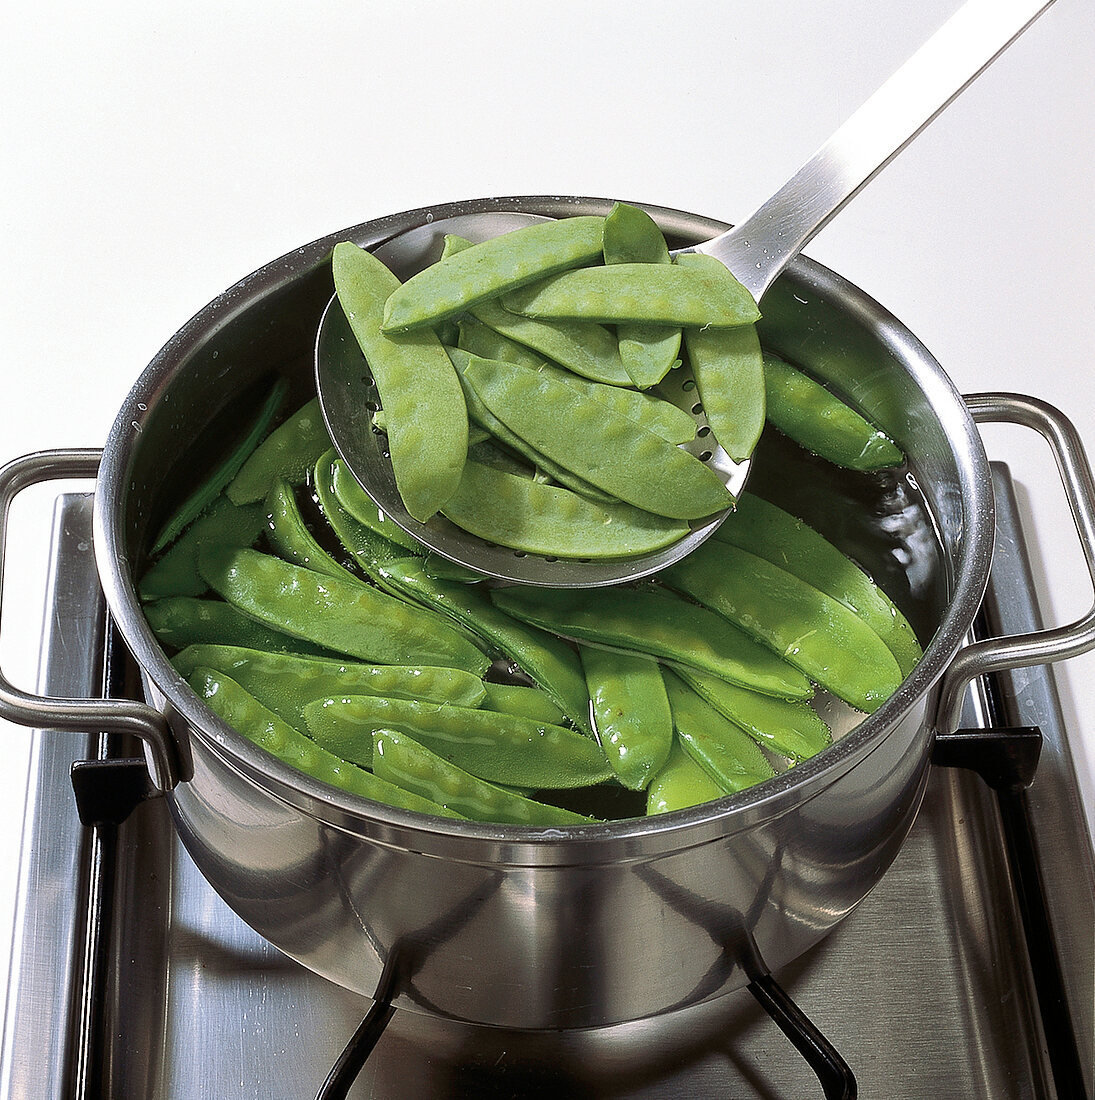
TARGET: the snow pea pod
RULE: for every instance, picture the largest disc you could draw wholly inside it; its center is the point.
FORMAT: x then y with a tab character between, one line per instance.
501	748
546	659
345	616
729	755
631	712
658	623
526	702
790	728
362	507
536	518
662	294
680	783
612	452
648	352
427	420
815	418
771	533
808	628
246	714
289	452
290	538
485	270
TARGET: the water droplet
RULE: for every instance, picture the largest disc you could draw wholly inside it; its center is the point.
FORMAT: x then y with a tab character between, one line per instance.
142	406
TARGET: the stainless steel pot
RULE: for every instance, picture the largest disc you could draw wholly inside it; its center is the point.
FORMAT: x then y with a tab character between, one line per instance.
554	928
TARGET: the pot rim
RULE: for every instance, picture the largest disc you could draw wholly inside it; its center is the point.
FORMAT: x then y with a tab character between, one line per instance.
512	844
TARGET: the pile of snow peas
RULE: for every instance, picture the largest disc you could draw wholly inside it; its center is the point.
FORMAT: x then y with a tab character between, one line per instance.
325	634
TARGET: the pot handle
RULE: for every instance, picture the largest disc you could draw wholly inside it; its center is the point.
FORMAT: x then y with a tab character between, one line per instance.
92	715
1042	646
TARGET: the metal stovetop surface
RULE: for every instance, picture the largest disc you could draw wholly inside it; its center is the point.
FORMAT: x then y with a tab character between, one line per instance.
131	978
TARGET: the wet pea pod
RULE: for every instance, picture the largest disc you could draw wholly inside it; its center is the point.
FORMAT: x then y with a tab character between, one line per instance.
789	728
427	421
289	537
289	451
648	352
612	452
543	657
244	713
728	754
631	713
808	628
680	783
345	616
661	294
335	475
658	623
472	275
286	682
537	518
403	761
526	702
501	748
787	541
728	367
819	421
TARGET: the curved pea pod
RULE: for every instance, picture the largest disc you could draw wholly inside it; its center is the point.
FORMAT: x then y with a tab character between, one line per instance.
285	682
680	783
501	748
257	723
290	538
728	754
660	294
223	524
344	616
550	662
658	623
479	339
485	270
530	516
808	628
349	493
815	418
648	352
612	452
181	621
402	760
789	728
427	421
288	452
775	535
223	473
525	702
631	712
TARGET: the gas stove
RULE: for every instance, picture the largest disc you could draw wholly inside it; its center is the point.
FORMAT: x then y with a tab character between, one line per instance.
968	972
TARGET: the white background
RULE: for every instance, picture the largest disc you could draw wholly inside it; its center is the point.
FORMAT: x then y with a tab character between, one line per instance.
151	155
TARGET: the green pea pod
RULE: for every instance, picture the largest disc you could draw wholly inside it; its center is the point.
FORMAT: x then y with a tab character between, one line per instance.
501	748
345	616
658	623
660	294
290	538
648	352
247	715
680	783
537	518
349	493
225	471
181	621
427	421
486	270
729	755
525	702
289	452
612	452
786	541
631	711
790	728
402	760
550	662
222	523
729	371
815	418
285	682
479	339
808	628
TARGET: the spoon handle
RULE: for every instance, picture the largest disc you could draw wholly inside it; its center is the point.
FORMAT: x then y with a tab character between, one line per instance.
758	249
